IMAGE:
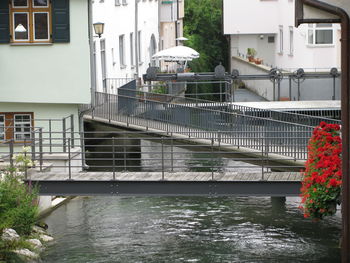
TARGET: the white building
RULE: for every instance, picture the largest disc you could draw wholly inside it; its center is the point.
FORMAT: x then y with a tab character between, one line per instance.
134	31
130	38
268	27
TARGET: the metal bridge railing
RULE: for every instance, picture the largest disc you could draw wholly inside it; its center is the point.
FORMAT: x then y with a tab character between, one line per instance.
122	151
241	129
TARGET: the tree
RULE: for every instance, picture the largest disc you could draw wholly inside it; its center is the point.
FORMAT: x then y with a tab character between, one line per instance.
203	28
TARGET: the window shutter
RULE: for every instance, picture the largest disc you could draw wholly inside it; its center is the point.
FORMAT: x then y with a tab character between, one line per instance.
4	22
60	21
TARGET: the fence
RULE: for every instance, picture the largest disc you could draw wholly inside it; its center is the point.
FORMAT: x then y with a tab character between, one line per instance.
273	85
122	151
241	126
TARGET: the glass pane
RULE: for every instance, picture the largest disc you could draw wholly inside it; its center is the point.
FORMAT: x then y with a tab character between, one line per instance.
37	3
310	37
324	37
22	118
20	3
323	25
41	26
21	26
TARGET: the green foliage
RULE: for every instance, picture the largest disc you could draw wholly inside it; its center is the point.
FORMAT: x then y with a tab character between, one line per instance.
251	52
203	27
159	89
18	201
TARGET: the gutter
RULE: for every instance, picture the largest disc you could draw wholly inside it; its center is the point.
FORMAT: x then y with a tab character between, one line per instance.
345	98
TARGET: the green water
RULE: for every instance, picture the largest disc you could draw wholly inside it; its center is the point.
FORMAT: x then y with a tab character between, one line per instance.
189	229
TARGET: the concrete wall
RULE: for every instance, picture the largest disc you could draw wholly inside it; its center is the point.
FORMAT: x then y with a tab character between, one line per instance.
310	89
49	73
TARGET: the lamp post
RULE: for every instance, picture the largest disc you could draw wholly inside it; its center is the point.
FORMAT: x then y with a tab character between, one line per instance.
98	28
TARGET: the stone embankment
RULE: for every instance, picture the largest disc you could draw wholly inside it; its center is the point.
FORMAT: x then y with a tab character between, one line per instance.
28	249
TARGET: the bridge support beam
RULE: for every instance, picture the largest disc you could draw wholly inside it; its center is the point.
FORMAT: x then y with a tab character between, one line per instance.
169	188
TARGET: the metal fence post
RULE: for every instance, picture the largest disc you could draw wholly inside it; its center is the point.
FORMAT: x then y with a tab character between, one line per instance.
72	130
50	135
33	145
41	149
172	152
162	158
11	153
124	147
69	162
113	149
212	159
64	134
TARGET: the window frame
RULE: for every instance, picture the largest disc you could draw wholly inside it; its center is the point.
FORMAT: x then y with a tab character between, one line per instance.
30	10
15	133
280	32
121	41
313	28
10	125
291	41
2	126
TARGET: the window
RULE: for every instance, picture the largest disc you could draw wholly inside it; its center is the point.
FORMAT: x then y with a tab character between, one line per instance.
132	62
22	126
139	46
270	39
320	34
121	51
291	39
2	127
16	125
281	39
103	63
30	21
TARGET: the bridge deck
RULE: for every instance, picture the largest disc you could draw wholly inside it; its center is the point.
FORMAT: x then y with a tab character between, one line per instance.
174	184
169	176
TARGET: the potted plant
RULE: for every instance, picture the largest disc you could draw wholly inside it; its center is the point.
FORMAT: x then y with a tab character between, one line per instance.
251	52
258	61
321	186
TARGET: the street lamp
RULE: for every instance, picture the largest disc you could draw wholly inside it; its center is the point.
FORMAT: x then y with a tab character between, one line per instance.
98	28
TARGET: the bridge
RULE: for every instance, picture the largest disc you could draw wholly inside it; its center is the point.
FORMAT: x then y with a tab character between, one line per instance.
172	145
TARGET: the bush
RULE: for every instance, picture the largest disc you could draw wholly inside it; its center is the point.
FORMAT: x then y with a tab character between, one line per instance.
321	187
18	201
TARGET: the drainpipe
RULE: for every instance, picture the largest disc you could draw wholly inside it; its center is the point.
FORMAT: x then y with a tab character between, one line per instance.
345	130
176	26
92	61
136	38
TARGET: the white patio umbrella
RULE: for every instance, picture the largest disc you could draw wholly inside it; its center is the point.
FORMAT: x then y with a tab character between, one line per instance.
178	53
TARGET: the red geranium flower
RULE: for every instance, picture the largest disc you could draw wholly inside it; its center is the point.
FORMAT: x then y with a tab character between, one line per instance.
321	186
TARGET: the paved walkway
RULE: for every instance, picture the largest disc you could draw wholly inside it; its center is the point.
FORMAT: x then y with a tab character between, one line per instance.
245	95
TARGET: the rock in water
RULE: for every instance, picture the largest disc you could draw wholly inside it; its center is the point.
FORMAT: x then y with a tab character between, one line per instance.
36	243
26	253
46	238
9	234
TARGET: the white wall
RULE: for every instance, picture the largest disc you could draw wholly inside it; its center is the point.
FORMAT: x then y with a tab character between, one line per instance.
49	73
245	29
249	16
120	20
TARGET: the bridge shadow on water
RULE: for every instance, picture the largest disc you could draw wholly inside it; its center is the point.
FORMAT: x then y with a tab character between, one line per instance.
109	148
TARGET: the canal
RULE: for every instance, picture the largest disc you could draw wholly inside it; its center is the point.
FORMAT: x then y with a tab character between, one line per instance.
187	229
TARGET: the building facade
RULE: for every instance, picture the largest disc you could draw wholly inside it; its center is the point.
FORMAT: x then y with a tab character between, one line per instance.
134	31
268	27
44	64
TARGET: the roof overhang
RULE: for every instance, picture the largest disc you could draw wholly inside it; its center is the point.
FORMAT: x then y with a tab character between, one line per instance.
315	11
